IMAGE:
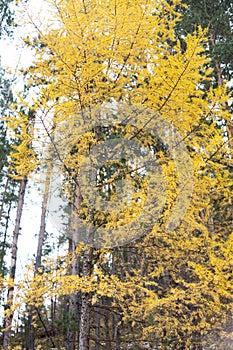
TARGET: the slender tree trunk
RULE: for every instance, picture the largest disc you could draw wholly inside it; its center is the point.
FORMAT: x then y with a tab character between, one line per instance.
97	329
73	312
107	332
30	338
85	313
4	248
10	292
115	317
43	221
4	196
53	313
84	329
116	332
73	304
4	243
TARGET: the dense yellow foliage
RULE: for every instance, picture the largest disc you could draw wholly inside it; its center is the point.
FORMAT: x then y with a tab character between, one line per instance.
174	287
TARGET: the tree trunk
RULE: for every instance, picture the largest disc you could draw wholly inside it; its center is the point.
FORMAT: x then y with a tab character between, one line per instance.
4	196
73	304
43	221
10	292
4	242
30	337
97	329
115	317
107	332
84	328
75	270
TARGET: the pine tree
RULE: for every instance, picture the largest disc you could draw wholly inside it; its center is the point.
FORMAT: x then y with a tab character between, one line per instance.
6	185
216	16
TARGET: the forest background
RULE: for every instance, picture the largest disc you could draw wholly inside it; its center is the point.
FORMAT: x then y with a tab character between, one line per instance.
145	256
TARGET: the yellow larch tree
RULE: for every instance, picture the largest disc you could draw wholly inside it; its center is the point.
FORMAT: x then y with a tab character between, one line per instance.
171	287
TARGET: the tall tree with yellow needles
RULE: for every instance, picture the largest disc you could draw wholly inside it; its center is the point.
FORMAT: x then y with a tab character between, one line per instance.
170	286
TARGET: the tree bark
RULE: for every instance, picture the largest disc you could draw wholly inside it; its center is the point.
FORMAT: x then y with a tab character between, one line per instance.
10	292
43	220
4	242
73	304
97	330
84	330
30	337
4	196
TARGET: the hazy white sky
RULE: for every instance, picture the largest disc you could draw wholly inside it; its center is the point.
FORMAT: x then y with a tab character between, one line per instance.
13	52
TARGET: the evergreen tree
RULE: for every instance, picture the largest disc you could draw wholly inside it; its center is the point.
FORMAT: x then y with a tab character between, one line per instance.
217	17
8	186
